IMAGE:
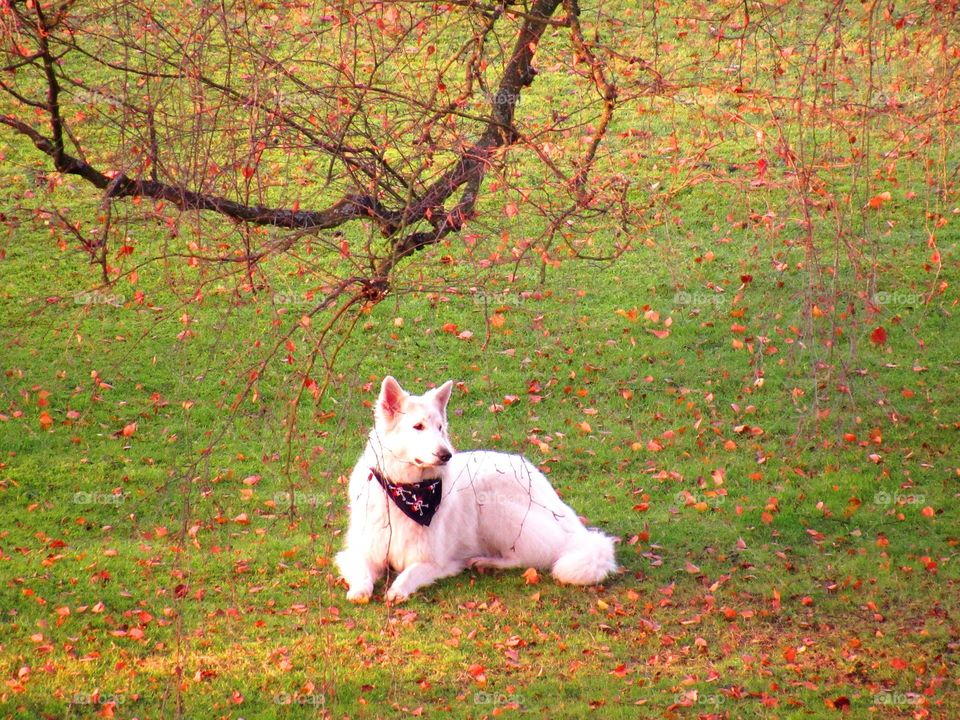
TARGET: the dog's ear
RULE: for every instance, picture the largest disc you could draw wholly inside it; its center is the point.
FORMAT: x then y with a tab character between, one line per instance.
391	399
441	395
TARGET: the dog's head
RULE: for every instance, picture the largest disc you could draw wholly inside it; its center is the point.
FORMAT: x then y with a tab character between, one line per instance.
411	431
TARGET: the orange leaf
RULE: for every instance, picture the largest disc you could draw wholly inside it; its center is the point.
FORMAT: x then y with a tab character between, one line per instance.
531	576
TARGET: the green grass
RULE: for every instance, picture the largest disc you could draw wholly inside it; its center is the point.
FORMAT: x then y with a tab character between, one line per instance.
259	611
785	543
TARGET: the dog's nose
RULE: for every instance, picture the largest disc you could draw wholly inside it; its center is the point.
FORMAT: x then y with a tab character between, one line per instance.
444	455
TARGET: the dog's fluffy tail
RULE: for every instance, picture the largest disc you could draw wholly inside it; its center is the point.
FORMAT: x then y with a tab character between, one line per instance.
587	560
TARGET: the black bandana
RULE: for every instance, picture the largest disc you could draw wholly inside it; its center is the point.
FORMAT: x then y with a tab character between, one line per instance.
418	501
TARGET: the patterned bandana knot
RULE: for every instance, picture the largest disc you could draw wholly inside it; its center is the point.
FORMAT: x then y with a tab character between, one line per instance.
418	501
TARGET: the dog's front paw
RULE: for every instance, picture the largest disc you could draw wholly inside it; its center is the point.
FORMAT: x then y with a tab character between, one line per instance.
360	596
395	595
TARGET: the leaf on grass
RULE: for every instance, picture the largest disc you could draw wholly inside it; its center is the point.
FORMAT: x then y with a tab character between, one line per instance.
478	673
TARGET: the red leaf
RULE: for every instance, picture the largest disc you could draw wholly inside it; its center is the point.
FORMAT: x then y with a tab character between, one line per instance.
478	673
620	671
878	336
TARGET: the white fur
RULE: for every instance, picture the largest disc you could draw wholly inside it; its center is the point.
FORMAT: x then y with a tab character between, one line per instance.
497	510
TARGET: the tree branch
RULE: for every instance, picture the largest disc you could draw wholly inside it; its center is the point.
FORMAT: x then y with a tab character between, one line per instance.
466	172
351	207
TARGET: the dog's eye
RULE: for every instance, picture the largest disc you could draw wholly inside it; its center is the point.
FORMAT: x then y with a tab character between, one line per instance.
419	426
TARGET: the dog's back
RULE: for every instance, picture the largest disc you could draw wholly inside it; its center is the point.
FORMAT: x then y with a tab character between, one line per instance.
520	520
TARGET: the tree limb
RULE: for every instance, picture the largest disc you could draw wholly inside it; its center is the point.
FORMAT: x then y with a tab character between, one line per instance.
467	171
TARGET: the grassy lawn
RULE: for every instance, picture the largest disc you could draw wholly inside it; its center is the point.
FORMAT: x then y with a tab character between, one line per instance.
787	507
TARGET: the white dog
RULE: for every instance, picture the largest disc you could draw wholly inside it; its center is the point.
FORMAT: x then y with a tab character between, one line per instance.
428	513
